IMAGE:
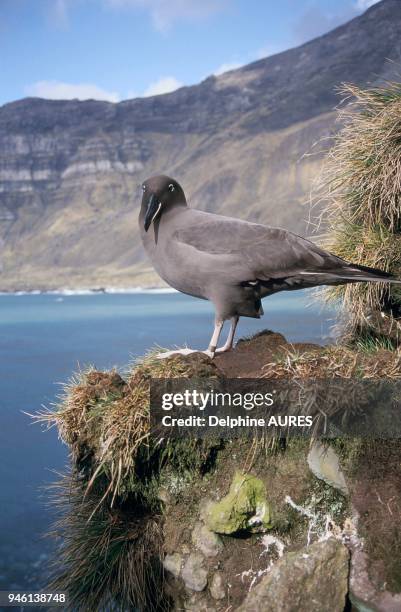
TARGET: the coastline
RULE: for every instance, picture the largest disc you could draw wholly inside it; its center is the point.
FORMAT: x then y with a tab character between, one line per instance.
66	291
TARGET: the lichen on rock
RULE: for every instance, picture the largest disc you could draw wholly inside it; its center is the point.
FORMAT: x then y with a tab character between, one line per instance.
245	507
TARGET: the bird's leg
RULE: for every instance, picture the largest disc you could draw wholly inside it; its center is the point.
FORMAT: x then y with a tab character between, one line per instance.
230	338
218	326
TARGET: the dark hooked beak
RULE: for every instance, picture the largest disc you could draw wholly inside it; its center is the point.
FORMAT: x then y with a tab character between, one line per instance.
152	211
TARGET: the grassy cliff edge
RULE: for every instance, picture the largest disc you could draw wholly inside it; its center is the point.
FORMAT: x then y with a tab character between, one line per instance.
135	528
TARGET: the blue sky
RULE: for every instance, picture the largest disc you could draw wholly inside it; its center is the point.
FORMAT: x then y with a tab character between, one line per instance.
119	49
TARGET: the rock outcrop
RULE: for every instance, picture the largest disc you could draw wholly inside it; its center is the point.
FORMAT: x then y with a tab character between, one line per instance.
313	579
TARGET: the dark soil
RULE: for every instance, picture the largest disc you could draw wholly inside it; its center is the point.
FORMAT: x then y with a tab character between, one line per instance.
249	356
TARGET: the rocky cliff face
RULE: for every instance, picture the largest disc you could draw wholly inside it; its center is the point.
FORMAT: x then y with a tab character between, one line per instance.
241	523
70	170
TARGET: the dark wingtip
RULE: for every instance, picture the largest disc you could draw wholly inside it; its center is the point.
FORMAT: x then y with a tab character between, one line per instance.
374	272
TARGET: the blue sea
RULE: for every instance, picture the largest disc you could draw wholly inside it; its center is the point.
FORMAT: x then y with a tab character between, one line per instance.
44	339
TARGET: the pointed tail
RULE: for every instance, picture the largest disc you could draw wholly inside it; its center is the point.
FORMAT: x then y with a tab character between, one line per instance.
365	273
348	273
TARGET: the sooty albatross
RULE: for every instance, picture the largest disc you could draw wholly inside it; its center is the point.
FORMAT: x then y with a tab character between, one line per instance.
232	263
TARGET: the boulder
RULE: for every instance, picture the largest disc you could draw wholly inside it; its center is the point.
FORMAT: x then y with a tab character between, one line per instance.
208	542
245	507
324	463
364	596
173	563
194	573
314	578
217	588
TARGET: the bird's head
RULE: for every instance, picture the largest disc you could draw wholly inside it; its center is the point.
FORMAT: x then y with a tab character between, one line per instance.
160	193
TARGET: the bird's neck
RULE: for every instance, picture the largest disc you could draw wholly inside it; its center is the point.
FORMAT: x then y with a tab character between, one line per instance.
161	228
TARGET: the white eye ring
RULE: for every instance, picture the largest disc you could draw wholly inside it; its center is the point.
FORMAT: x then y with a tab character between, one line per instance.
171	187
143	188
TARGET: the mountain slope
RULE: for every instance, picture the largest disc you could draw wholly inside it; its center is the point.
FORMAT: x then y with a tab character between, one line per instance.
70	170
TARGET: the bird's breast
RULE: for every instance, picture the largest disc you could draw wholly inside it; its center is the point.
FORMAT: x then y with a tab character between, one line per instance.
176	268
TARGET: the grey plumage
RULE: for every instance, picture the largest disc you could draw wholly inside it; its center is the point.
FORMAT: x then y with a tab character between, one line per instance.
232	263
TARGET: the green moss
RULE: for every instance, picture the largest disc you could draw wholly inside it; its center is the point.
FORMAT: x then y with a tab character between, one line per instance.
245	507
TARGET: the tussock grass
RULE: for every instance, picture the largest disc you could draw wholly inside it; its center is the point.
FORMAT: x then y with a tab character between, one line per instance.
110	511
341	387
341	361
108	559
105	421
361	188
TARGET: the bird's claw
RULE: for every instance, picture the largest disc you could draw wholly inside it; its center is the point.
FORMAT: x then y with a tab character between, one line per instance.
224	349
187	351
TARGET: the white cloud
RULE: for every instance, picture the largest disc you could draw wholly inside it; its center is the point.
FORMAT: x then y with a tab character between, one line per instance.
57	90
166	12
226	67
362	5
162	86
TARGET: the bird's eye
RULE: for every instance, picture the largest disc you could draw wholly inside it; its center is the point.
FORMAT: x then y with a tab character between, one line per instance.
144	188
171	187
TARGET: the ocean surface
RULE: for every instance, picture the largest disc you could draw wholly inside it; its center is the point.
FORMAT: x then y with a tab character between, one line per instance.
45	338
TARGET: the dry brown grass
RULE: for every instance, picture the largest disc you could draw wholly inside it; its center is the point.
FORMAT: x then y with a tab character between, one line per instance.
105	420
340	362
345	390
361	187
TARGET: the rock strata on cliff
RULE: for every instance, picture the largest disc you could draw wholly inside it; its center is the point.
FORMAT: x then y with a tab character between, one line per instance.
70	171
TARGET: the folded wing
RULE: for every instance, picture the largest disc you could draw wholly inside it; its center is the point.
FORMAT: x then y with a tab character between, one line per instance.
272	255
